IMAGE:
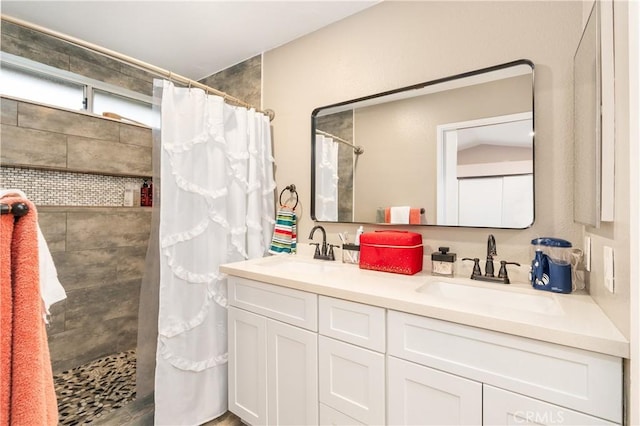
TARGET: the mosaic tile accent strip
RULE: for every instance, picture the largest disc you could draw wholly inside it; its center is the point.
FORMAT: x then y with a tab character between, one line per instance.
54	188
90	391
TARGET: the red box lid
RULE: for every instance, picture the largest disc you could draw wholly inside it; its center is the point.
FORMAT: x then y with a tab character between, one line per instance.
391	238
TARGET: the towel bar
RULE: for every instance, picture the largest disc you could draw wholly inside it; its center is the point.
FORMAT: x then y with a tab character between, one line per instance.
17	209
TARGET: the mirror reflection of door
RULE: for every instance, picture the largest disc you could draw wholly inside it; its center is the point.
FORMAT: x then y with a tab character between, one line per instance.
485	172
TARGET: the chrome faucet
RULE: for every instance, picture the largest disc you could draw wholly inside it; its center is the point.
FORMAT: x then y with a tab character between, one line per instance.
491	251
324	252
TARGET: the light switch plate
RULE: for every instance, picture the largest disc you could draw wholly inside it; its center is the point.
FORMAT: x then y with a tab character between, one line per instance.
587	253
609	276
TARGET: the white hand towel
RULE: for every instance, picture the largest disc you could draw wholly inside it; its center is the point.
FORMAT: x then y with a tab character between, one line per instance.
50	288
399	214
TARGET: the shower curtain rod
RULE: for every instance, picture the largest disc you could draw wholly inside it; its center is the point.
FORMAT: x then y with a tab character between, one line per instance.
135	62
357	149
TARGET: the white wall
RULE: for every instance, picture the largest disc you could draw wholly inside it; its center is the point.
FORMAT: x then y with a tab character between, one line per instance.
616	234
396	44
634	210
633	366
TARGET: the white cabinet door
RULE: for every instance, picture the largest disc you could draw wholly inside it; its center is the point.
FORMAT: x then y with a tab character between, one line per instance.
502	407
292	375
273	371
419	395
247	366
352	380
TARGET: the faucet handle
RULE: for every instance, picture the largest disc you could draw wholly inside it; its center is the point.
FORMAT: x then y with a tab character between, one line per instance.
316	255
476	266
503	270
331	254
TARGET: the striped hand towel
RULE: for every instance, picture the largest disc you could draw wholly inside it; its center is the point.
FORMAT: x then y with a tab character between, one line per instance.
284	234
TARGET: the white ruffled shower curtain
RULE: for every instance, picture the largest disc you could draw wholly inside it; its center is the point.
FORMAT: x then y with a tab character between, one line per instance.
217	206
326	179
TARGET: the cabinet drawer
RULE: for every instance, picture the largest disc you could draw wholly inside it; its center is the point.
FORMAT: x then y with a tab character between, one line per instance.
291	306
584	381
351	322
501	407
331	417
352	380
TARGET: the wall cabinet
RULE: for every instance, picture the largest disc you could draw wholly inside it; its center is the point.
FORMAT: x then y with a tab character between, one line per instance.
296	358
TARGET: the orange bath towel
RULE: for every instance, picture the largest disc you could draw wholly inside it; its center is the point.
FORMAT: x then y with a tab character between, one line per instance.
414	215
28	396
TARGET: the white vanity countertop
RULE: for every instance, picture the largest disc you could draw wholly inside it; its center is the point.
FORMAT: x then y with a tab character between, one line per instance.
568	319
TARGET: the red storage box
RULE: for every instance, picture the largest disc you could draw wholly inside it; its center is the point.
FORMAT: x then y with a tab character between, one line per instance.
391	251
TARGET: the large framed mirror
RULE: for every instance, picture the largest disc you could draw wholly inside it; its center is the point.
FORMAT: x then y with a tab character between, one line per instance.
457	151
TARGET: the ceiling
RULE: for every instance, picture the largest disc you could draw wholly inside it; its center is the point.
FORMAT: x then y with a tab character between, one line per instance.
516	134
192	38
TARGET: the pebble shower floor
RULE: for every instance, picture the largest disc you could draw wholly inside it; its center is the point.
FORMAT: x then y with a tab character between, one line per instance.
88	392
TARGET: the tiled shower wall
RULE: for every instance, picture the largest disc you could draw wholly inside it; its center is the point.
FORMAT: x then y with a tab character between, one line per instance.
53	188
243	81
57	53
74	166
99	253
81	162
41	137
45	150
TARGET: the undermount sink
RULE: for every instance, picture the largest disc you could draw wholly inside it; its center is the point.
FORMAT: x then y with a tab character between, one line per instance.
491	299
293	264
